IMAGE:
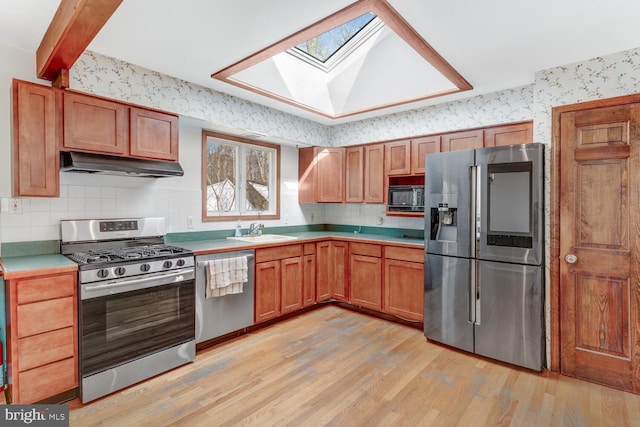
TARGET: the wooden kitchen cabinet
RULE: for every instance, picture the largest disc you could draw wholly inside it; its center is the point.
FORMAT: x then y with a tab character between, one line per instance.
464	140
154	135
420	147
104	126
321	174
95	125
42	336
278	281
517	133
366	275
309	274
364	174
36	139
397	155
404	282
332	274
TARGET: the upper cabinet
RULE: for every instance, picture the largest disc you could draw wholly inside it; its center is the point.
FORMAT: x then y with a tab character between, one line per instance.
95	125
420	147
321	175
519	133
465	140
99	125
397	157
364	174
36	137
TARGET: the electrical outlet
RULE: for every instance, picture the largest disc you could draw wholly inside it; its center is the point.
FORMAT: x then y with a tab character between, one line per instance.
313	217
189	221
15	206
379	220
286	218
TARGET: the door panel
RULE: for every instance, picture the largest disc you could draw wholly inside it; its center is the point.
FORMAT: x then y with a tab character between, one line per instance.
599	291
446	301
510	314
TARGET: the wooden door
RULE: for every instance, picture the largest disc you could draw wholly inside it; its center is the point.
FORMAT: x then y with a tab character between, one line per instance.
340	270
292	284
397	158
267	290
154	135
465	140
329	169
309	280
599	217
366	281
36	136
404	289
354	188
374	173
420	147
323	271
95	125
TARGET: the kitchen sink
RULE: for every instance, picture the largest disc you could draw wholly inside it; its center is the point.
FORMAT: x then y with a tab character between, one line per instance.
263	238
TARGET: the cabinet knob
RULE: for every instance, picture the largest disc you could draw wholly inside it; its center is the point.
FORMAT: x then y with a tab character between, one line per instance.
571	258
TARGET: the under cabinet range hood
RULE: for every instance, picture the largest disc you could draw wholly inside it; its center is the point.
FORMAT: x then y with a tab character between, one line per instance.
73	161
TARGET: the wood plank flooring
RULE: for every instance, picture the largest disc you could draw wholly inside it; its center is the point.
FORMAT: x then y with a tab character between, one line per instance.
340	368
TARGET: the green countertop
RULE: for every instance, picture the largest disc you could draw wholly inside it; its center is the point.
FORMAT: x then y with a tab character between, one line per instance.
222	245
26	265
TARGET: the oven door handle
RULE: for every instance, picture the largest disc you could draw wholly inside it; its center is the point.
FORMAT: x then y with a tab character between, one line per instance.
94	291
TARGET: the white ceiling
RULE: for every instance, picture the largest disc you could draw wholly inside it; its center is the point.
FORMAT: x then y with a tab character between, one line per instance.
493	44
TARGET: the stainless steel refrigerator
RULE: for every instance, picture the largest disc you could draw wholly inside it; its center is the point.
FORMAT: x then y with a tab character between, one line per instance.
484	243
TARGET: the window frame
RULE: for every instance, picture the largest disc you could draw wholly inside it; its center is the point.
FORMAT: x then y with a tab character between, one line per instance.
274	214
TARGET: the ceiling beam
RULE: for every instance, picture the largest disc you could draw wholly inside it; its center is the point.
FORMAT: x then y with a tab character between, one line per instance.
72	28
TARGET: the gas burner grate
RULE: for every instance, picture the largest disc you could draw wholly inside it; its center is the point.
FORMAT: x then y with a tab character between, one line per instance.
126	254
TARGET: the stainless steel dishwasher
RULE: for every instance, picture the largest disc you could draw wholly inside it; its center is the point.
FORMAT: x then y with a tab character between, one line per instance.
221	315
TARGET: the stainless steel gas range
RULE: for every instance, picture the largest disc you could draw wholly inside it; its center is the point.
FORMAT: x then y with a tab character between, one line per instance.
136	301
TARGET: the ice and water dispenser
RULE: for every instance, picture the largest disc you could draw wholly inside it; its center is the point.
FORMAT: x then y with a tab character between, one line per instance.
444	222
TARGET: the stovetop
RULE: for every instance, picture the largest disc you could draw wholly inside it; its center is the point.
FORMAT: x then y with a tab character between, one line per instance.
98	258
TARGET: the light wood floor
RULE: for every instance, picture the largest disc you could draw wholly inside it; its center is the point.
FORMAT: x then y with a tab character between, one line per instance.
335	367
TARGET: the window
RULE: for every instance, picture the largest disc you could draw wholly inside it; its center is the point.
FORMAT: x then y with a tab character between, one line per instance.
240	178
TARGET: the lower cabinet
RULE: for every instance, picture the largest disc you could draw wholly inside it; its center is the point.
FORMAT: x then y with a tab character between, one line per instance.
309	275
42	338
404	282
332	277
279	284
366	275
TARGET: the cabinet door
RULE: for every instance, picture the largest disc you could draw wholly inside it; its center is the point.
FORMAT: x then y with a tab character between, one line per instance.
267	289
95	125
462	140
366	281
154	134
519	133
329	168
374	173
323	271
397	157
36	137
292	284
354	189
340	274
309	280
404	289
420	147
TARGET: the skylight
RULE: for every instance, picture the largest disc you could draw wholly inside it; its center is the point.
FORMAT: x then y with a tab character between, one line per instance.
328	43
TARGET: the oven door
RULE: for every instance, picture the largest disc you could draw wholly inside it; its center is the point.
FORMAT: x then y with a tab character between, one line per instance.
125	320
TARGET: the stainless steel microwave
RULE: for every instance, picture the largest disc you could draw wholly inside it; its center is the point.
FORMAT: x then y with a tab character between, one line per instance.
406	198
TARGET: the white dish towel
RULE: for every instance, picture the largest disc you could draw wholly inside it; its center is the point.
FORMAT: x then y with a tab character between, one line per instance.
225	276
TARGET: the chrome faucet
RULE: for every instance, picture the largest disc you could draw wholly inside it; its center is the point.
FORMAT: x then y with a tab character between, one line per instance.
255	229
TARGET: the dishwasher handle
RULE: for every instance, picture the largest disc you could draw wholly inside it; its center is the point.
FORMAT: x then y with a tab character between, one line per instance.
201	264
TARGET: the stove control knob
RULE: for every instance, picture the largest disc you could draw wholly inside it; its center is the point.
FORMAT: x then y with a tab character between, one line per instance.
145	267
167	264
102	273
120	271
180	262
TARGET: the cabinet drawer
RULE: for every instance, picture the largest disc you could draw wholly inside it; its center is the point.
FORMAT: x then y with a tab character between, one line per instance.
404	254
309	248
45	348
278	252
46	287
46	381
366	249
45	316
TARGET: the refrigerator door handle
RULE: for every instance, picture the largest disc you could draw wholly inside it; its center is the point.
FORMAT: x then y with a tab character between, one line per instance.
476	299
472	292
